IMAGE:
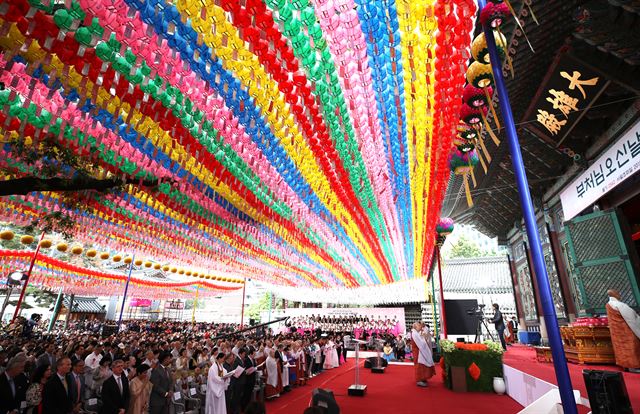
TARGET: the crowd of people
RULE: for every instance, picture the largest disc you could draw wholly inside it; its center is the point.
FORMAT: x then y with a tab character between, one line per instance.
149	366
362	327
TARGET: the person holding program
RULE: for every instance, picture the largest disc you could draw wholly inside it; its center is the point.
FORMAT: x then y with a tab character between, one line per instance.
422	357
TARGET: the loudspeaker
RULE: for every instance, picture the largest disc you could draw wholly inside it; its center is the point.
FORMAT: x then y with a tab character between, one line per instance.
372	362
252	322
607	392
325	399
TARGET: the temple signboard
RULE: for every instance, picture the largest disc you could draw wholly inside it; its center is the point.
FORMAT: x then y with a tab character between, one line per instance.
569	89
615	165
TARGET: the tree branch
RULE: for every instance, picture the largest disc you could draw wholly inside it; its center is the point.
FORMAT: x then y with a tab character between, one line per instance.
25	185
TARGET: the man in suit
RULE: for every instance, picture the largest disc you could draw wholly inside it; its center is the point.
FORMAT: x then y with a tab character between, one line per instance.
162	390
239	383
76	381
247	393
498	322
13	385
78	353
115	390
48	356
55	395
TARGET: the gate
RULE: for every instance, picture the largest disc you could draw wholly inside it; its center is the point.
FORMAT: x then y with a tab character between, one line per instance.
599	260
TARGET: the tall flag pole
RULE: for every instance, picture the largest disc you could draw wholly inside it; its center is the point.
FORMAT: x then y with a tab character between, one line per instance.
528	212
126	288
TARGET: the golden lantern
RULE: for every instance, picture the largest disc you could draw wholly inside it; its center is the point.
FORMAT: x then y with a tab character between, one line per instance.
157	266
181	271
26	239
138	262
165	268
148	264
128	260
92	253
104	255
117	258
7	235
173	270
196	274
188	273
77	249
45	244
62	247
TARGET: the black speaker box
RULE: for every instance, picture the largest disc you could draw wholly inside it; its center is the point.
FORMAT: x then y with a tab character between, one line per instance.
325	399
375	362
607	392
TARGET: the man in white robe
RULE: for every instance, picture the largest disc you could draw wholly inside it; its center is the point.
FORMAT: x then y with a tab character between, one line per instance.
216	386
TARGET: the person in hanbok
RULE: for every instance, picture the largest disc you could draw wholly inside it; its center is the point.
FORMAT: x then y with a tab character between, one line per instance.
422	356
140	390
273	376
330	355
216	386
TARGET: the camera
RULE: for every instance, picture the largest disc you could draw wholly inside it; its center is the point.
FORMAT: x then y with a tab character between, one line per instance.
477	311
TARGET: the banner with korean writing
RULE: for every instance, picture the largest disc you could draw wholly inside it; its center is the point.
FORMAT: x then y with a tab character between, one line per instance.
615	165
568	90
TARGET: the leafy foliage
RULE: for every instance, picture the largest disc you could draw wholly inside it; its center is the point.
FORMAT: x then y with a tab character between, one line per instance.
263	304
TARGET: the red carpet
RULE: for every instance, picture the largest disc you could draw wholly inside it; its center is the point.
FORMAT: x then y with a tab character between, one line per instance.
524	358
393	392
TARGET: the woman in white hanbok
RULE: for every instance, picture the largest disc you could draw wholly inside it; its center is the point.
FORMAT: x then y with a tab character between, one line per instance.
216	386
330	355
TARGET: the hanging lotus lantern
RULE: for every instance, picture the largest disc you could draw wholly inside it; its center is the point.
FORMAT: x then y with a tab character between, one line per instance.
148	264
165	268
77	249
462	163
128	260
7	235
157	266
46	244
481	97
137	262
181	271
444	227
174	270
480	50
26	239
494	14
462	144
62	247
104	255
117	258
480	74
92	253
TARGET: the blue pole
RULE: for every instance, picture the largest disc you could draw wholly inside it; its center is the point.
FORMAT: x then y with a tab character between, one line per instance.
126	288
555	340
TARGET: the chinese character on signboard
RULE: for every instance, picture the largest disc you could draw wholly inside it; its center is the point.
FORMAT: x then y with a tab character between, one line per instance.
569	89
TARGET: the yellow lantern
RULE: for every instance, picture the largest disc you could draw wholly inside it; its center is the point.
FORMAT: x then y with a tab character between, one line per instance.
6	235
173	270
92	253
45	244
195	274
62	247
188	272
138	262
165	268
77	249
104	255
157	266
117	258
26	239
181	271
128	260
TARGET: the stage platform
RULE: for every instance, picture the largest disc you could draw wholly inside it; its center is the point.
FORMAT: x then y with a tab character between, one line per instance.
394	392
523	358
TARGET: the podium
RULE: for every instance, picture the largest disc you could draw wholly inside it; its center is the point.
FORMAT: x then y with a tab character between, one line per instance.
357	389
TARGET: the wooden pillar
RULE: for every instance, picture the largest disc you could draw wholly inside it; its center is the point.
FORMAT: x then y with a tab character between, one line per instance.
563	274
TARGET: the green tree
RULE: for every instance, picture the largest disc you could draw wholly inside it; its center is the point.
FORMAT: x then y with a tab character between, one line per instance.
43	298
263	304
464	247
188	304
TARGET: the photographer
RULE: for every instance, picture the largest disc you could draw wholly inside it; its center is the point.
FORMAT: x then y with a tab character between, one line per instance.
498	322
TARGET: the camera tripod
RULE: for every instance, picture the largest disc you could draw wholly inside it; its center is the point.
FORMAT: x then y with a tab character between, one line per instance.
482	322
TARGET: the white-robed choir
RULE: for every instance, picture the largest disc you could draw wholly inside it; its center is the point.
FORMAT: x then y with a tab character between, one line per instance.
216	386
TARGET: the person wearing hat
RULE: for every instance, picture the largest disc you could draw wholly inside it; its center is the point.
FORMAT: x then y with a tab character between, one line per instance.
140	389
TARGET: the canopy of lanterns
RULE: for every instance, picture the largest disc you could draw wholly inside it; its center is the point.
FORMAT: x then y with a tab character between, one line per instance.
299	142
